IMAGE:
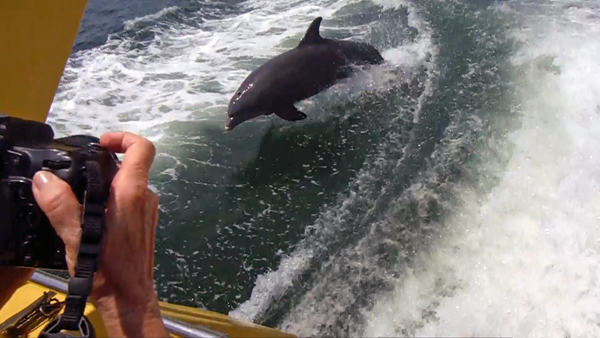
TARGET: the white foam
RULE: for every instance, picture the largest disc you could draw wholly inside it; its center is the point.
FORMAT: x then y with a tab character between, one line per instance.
130	24
523	260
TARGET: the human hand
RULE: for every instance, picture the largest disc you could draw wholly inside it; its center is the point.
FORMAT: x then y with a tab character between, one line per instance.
11	278
123	289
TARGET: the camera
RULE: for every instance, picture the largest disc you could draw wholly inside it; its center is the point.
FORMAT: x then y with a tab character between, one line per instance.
27	239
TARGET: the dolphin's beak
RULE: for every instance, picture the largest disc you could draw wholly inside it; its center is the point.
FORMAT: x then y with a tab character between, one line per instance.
232	123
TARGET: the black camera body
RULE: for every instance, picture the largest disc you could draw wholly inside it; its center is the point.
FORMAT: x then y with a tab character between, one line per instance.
27	239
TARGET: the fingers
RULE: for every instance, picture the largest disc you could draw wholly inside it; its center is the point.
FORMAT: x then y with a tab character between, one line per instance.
152	211
152	202
10	275
57	200
11	278
139	151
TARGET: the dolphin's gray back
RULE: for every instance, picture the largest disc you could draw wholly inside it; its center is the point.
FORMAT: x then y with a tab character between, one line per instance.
296	74
358	53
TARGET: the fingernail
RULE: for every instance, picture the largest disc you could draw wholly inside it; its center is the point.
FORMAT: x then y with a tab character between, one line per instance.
40	179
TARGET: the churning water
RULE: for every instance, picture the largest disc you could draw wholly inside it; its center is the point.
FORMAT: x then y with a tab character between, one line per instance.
453	191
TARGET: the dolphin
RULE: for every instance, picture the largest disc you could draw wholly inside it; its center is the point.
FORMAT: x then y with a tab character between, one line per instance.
314	65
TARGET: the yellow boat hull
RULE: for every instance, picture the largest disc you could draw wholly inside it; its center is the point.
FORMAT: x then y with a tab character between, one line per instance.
37	38
186	317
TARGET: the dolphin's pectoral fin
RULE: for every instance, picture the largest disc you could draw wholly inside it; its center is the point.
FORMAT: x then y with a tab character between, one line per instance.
290	113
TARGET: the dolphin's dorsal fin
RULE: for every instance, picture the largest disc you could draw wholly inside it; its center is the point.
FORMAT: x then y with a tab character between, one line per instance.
312	33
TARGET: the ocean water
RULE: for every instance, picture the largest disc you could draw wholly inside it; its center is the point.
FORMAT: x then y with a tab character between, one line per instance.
451	192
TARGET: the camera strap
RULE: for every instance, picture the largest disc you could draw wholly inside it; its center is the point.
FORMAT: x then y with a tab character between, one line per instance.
80	285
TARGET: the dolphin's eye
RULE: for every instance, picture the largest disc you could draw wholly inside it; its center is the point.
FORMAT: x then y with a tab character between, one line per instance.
239	93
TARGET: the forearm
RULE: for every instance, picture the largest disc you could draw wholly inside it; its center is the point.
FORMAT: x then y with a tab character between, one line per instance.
127	318
11	279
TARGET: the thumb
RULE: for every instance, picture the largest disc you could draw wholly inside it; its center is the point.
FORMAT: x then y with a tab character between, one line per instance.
57	200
